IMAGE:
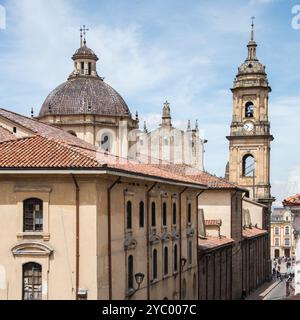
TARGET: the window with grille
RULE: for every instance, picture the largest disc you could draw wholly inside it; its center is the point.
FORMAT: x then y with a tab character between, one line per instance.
164	214
32	281
129	215
154	264
189	213
175	262
166	261
153	214
174	213
141	209
130	272
33	215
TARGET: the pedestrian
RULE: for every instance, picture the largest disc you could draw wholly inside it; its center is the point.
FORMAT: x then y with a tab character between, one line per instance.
278	274
278	268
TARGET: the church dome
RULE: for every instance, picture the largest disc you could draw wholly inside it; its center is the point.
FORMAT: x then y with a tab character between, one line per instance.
84	92
84	95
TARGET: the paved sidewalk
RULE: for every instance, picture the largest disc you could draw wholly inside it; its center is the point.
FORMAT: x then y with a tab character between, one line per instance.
263	290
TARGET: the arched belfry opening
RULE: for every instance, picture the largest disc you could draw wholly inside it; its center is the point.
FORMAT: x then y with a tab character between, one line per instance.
249	109
248	165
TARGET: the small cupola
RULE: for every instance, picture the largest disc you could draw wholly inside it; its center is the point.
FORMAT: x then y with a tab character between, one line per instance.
85	60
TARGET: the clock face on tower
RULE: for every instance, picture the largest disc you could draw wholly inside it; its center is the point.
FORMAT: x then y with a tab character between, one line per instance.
248	126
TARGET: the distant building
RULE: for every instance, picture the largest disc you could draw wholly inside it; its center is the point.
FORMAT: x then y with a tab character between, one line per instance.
282	238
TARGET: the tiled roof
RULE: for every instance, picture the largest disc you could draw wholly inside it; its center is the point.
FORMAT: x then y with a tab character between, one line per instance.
213	222
214	242
6	135
38	152
292	201
85	95
43	129
213	182
253	232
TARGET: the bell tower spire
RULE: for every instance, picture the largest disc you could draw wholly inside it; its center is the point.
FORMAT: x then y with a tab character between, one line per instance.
252	44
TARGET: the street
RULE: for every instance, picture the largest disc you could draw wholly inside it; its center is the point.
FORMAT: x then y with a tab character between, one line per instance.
278	293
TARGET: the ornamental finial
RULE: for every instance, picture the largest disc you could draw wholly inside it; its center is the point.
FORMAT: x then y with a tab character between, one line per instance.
83	31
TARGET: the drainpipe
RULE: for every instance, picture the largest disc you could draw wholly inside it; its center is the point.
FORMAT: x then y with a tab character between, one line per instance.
148	240
197	235
109	237
77	190
180	244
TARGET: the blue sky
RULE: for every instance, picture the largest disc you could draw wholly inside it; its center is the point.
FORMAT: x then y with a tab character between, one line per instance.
185	51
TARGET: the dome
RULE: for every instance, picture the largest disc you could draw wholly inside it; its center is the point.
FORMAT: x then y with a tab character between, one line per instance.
84	95
85	53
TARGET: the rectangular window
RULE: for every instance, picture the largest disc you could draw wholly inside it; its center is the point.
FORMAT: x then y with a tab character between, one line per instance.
90	68
287	242
276	242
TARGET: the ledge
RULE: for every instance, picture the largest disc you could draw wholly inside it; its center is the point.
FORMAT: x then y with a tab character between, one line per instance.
34	235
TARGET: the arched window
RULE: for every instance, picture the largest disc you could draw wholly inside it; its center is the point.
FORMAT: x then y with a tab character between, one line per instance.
190	252
287	230
154	264
33	215
249	110
106	142
129	215
166	261
248	165
141	210
32	281
130	272
174	213
153	214
189	213
175	259
164	214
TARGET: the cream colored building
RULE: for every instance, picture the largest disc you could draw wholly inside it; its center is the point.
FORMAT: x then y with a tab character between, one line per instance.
282	233
76	223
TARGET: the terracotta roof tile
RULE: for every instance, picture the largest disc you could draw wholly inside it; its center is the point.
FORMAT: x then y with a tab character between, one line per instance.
213	222
253	232
213	242
45	130
213	182
49	153
292	201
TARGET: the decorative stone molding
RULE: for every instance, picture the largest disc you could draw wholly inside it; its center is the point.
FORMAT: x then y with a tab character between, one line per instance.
130	242
190	232
32	249
174	234
154	238
165	237
24	188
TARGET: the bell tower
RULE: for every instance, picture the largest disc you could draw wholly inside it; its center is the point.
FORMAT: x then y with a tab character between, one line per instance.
250	137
